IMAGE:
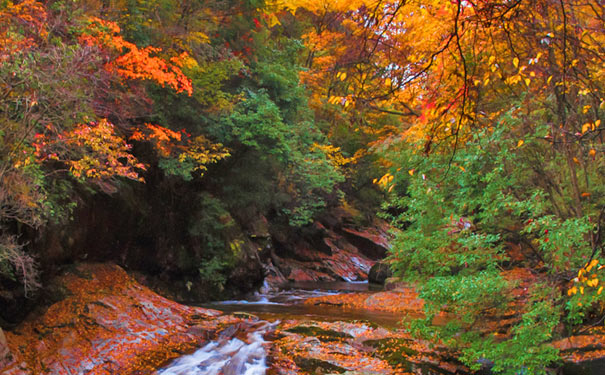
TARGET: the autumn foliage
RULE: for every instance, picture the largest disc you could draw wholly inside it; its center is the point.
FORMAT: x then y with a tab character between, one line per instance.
475	127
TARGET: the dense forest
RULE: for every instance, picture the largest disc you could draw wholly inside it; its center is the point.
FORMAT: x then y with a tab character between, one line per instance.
178	139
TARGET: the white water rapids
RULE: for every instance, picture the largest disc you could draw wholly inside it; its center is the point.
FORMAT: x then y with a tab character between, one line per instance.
226	357
241	349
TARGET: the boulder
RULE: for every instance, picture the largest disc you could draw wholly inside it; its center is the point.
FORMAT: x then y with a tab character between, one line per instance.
588	366
106	324
379	273
583	354
372	242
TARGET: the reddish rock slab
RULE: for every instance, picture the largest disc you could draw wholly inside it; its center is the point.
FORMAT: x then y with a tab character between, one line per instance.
406	301
342	261
583	354
373	242
107	324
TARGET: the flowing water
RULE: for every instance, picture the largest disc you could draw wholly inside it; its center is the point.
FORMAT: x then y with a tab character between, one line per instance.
227	356
242	350
286	302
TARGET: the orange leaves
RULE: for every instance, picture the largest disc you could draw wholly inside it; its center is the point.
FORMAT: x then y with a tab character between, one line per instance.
179	145
20	25
163	139
136	63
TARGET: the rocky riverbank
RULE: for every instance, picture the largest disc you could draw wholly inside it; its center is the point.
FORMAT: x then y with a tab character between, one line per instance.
106	323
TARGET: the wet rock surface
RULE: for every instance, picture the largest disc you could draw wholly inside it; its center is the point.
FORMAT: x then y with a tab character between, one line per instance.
583	354
107	324
379	273
355	348
326	253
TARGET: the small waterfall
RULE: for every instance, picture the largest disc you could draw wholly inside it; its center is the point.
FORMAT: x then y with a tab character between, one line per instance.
226	356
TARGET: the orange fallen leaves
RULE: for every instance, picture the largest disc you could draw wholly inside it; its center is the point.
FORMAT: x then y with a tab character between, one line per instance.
107	322
396	302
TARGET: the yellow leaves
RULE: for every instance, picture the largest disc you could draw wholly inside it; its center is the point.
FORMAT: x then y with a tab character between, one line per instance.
319	6
273	20
198	37
385	181
520	143
589	126
341	75
202	152
585	279
592	282
334	155
592	264
335	99
92	151
516	62
411	172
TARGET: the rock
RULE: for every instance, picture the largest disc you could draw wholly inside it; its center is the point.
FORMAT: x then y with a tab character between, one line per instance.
108	323
373	242
379	272
5	354
247	275
357	349
583	354
319	332
594	366
317	366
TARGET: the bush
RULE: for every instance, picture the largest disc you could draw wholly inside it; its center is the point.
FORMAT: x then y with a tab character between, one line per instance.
18	266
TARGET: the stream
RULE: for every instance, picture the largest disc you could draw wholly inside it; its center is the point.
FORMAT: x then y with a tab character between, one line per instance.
244	351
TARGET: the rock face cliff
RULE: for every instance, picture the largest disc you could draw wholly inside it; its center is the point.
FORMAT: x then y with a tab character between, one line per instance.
331	249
